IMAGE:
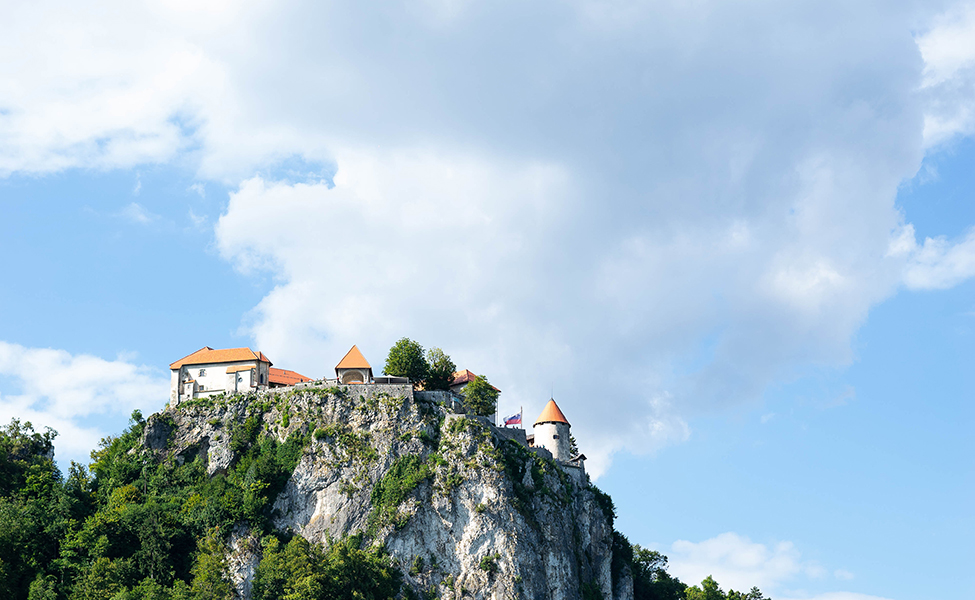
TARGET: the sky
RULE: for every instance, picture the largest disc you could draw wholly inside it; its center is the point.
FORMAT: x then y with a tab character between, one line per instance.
735	240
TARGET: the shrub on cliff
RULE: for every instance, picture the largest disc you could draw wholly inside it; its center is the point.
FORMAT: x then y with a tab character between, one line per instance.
304	571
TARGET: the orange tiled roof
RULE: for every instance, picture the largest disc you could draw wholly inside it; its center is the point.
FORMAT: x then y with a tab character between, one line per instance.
461	377
465	376
207	355
551	414
353	359
286	377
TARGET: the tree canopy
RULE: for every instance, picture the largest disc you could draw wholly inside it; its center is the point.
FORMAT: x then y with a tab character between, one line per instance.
441	370
141	529
406	359
481	397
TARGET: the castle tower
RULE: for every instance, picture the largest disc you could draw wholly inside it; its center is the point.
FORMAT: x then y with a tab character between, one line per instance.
353	368
552	432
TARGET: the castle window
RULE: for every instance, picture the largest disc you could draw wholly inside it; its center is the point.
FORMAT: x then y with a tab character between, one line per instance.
203	372
555	437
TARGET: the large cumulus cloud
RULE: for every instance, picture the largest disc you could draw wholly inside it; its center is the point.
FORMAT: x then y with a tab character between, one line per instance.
656	208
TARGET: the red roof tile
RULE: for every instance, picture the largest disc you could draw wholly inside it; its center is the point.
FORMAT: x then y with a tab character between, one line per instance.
207	355
461	377
286	377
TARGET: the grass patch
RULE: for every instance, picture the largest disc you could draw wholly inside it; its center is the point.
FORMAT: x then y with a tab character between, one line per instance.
489	563
394	488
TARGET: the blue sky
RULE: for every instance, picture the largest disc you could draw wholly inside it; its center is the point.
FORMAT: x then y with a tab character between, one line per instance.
736	239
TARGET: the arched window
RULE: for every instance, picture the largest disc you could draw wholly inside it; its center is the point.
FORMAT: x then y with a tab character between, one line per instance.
352	377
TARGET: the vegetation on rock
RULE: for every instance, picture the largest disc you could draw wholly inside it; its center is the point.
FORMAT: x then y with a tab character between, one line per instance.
156	513
138	528
299	570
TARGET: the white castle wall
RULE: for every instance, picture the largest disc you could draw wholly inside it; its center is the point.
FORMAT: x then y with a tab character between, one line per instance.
214	379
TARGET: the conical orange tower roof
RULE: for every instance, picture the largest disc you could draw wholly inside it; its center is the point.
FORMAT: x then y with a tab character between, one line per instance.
353	359
551	414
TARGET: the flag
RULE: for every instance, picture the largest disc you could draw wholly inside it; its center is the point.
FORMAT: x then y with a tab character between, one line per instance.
513	420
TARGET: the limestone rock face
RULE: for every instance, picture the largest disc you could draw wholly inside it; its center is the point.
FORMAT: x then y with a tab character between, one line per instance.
484	517
244	556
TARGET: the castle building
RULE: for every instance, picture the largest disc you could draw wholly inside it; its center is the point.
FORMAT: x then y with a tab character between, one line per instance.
460	379
283	377
551	431
208	371
354	368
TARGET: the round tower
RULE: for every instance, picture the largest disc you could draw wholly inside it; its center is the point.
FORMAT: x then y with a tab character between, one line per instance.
552	432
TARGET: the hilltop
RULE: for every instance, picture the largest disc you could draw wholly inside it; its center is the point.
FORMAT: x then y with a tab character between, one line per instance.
313	491
460	507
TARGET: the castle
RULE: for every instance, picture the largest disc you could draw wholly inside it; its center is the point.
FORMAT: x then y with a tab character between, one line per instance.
209	372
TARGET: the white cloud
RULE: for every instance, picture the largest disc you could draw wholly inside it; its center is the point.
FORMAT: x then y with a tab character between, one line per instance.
949	74
71	392
137	213
660	208
547	244
502	264
738	563
833	596
939	264
198	221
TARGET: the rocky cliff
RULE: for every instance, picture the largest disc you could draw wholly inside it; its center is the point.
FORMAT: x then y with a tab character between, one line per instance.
463	511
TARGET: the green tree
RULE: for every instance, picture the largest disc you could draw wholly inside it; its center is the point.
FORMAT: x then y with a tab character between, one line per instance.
20	448
481	397
102	580
651	581
272	572
211	580
441	370
147	589
304	571
709	590
754	594
405	359
32	510
42	588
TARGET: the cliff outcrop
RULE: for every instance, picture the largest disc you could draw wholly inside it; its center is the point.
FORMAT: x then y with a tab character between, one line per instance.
463	511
